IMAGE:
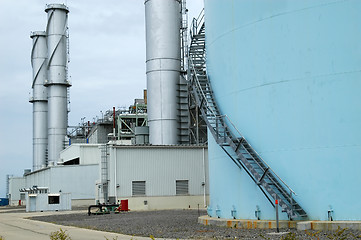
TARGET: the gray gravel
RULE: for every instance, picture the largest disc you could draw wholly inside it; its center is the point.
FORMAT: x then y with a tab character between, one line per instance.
180	224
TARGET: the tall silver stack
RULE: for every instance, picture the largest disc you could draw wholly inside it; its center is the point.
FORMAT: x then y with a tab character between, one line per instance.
163	63
39	99
57	83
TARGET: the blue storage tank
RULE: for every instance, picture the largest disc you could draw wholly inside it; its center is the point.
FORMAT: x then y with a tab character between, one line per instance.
288	73
4	201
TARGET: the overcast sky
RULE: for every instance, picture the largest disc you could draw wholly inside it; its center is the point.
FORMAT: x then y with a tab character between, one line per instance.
107	66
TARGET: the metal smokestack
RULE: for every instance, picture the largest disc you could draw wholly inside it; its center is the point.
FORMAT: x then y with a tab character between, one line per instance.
57	82
39	99
163	21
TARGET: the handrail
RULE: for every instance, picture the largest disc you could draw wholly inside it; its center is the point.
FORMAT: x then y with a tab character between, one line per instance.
269	168
230	121
264	162
200	88
196	22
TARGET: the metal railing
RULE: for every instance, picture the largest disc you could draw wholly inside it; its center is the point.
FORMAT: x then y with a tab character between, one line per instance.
224	118
196	23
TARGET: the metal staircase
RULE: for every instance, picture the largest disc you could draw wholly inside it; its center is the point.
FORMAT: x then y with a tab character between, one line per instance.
227	135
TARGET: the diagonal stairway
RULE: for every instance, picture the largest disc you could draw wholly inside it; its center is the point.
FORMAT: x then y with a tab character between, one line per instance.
228	137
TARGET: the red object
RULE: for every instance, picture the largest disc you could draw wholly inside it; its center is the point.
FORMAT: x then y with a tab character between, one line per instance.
276	201
124	205
19	202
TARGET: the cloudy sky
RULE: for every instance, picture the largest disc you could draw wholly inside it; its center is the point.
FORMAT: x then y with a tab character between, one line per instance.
107	66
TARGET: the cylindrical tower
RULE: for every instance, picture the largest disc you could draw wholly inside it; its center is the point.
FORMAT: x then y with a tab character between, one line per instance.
39	99
57	82
162	20
287	73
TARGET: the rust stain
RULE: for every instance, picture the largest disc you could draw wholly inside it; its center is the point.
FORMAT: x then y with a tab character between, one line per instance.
255	224
269	224
289	224
312	227
206	222
249	225
229	224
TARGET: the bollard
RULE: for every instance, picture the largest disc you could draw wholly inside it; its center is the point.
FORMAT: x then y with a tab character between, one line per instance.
277	222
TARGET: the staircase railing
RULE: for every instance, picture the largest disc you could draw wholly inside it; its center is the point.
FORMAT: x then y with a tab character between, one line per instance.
225	117
196	24
227	135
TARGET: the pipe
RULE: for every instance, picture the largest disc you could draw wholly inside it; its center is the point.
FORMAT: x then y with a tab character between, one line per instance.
277	220
115	174
204	180
114	122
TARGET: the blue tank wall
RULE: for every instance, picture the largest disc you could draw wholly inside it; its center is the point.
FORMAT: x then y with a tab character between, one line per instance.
289	74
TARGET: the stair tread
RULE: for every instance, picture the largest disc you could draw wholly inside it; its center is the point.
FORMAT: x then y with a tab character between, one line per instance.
245	154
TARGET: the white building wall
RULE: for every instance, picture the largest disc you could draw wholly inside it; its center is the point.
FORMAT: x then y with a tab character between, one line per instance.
16	183
79	180
93	138
87	153
40	178
39	202
90	154
70	153
159	167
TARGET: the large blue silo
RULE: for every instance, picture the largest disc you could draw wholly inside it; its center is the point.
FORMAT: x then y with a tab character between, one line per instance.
288	74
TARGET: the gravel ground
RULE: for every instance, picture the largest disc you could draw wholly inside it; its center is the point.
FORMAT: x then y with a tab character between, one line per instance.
180	224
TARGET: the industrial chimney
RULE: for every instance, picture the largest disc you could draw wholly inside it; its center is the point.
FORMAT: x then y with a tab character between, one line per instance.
57	82
39	99
163	63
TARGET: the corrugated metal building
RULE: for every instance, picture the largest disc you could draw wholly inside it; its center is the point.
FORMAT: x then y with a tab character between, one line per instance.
150	177
79	180
80	154
99	133
15	197
157	177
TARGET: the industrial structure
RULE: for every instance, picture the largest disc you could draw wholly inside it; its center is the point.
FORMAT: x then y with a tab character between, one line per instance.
141	153
292	71
39	56
57	82
276	88
163	64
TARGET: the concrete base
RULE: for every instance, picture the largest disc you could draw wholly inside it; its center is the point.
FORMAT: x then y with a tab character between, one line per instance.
328	225
271	224
165	202
246	224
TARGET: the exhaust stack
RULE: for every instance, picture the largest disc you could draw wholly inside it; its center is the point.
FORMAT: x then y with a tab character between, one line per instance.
57	83
163	63
39	99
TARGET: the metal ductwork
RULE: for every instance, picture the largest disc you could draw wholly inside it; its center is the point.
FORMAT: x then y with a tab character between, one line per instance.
39	99
163	63
57	82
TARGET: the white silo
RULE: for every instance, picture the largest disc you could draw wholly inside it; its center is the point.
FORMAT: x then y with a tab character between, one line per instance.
163	62
39	99
57	82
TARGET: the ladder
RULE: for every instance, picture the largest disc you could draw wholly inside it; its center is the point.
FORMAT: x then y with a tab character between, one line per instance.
104	171
182	100
227	135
